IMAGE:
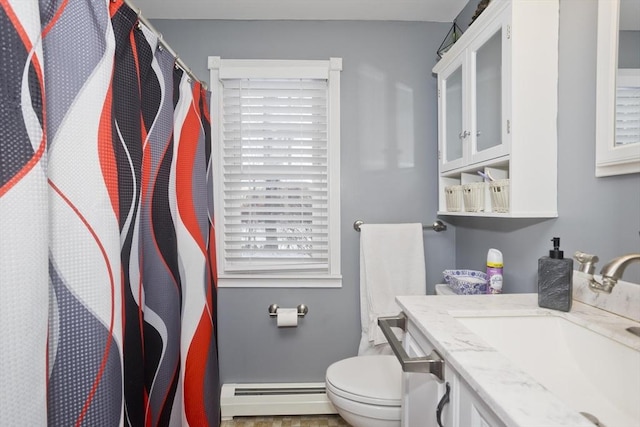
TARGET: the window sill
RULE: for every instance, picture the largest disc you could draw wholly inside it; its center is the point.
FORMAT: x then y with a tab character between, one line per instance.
247	281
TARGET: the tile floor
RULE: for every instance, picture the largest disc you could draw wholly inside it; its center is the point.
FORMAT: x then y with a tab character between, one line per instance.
288	421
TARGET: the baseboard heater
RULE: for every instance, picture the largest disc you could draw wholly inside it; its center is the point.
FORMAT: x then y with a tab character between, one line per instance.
274	399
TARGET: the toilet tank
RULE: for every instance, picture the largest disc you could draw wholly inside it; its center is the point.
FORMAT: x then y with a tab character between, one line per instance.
442	289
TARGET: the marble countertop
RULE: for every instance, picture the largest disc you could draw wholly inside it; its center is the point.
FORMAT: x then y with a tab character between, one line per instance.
515	397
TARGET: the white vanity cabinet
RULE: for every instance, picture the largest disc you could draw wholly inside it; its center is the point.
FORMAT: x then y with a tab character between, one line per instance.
497	107
420	391
471	411
419	408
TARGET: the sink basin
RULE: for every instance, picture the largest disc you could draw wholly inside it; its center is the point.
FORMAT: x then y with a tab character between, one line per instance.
590	372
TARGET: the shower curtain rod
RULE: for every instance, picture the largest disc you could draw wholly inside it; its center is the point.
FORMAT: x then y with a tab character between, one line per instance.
179	62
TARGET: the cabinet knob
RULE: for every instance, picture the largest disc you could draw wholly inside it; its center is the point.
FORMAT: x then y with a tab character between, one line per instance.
464	134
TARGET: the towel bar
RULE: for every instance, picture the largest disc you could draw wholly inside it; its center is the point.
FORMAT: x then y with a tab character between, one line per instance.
431	364
437	226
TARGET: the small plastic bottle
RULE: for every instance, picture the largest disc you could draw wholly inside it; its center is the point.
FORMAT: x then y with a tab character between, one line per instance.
494	271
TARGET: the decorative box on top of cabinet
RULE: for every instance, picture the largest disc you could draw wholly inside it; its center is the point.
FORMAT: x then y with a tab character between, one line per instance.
498	105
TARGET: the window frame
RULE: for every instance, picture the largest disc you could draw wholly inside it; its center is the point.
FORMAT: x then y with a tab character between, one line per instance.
330	70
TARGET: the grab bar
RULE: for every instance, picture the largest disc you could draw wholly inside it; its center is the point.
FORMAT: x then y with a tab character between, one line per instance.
431	364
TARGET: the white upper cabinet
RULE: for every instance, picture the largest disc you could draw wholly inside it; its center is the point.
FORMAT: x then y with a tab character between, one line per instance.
497	108
471	88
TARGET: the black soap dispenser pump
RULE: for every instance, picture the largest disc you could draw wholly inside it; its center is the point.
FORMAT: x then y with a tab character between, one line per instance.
555	279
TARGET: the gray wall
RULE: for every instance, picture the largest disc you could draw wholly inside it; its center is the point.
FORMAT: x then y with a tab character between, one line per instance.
389	104
388	166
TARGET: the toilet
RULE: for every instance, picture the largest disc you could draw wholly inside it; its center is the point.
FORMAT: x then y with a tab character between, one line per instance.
367	390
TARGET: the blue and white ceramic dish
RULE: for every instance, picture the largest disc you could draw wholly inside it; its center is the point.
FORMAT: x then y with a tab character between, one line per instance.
466	282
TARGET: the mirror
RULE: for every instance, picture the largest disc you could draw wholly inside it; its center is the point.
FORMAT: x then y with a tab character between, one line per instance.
618	88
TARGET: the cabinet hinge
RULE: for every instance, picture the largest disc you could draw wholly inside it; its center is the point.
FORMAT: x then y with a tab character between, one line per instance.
508	32
439	155
438	93
508	127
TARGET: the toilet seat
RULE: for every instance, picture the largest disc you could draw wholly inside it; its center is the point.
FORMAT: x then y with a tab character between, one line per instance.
372	380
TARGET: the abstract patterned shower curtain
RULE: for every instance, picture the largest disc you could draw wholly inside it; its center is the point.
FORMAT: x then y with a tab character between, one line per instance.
23	218
107	266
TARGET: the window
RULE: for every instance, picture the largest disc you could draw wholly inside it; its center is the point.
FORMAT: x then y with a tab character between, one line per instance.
276	148
628	107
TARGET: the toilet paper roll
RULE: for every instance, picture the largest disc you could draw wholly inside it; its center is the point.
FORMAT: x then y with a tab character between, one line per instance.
287	317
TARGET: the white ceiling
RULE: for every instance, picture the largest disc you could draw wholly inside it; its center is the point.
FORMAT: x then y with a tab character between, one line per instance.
384	10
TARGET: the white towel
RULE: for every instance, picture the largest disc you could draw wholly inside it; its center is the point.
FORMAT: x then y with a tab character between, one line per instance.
391	264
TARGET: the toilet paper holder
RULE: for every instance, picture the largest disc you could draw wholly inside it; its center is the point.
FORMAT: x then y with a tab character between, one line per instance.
302	310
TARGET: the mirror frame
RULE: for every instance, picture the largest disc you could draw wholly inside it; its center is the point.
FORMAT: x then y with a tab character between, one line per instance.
610	160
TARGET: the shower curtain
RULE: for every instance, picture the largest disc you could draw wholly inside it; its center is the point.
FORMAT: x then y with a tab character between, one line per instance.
107	257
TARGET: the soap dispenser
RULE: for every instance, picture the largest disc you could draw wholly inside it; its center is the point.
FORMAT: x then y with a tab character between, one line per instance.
555	277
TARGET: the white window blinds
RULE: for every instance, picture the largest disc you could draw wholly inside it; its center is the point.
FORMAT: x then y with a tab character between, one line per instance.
275	168
627	115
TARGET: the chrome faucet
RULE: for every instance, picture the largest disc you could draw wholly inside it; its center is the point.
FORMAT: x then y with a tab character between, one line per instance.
587	262
611	272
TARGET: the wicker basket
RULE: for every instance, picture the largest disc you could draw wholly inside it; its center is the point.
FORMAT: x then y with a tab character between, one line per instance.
473	195
499	191
453	197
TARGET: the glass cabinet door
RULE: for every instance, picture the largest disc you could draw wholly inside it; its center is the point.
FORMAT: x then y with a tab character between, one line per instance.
488	91
453	99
